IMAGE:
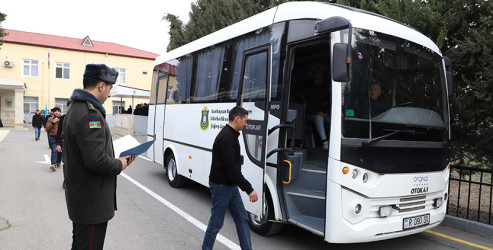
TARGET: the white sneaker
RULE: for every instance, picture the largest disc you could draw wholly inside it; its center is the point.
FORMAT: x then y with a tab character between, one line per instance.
326	145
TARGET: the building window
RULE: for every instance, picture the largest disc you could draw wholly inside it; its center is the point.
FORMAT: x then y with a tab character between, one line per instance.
30	67
118	106
121	75
62	70
30	107
62	104
30	104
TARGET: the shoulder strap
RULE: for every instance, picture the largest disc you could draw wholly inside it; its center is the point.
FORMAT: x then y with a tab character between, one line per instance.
90	106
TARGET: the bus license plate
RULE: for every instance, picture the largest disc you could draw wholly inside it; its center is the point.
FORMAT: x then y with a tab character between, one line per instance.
416	221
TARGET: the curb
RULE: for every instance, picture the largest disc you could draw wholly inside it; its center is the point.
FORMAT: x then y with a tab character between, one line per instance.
468	225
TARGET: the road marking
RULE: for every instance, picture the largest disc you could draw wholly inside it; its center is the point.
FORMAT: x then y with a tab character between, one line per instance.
458	240
228	243
47	160
145	158
3	134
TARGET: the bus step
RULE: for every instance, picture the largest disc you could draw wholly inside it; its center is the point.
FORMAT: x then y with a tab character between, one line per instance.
313	194
312	224
306	203
317	171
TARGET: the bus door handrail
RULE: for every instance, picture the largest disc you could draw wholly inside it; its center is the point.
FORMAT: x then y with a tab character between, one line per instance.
291	126
290	167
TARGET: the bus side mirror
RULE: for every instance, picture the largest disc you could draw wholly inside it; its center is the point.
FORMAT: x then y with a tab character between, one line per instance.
340	66
450	76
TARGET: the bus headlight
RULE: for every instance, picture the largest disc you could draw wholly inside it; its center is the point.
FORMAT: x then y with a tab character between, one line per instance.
357	209
365	177
437	202
354	174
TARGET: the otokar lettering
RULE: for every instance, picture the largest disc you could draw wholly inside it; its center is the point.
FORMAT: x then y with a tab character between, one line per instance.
421	190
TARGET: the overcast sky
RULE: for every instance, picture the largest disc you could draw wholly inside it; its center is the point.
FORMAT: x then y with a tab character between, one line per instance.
136	24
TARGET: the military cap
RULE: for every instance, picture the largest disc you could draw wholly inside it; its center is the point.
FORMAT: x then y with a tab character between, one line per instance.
101	72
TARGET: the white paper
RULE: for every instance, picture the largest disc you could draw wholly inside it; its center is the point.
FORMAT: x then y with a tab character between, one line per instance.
125	143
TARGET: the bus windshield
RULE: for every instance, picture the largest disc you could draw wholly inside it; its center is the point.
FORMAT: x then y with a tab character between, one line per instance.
397	91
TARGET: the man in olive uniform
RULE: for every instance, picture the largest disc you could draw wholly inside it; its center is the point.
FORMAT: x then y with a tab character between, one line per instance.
90	165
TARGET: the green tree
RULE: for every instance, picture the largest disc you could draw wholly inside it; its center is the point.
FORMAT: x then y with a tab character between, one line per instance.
175	31
2	33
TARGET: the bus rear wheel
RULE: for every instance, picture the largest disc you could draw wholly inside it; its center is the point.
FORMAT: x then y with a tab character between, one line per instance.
265	227
174	179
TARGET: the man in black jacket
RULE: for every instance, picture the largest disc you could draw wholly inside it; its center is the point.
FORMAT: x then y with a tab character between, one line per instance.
37	124
59	138
224	180
90	165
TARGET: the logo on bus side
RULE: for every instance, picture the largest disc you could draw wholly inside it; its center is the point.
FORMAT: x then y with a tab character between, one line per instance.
204	121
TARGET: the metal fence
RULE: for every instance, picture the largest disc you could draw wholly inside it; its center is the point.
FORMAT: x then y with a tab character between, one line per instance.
470	193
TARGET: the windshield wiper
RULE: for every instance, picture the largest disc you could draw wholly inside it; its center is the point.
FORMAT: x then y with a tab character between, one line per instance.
376	139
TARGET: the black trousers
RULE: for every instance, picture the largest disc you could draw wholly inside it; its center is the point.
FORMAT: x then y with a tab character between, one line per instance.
88	237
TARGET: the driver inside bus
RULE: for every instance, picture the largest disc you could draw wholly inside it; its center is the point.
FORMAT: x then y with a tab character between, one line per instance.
372	104
317	97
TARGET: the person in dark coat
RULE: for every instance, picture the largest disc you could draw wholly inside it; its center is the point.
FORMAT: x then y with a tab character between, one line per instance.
224	180
37	124
317	96
59	138
90	165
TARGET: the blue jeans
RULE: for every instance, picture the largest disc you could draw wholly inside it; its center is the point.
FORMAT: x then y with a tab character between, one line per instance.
319	124
37	132
56	157
227	197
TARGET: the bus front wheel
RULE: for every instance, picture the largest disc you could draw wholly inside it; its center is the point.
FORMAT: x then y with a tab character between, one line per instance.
175	180
265	227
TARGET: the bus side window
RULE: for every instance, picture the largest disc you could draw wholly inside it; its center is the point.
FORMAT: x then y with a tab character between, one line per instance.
162	87
207	75
255	76
184	70
153	95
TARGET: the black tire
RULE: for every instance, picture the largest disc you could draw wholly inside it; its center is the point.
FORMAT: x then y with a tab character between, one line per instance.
265	227
174	179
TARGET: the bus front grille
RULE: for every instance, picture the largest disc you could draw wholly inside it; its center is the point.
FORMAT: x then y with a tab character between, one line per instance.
409	204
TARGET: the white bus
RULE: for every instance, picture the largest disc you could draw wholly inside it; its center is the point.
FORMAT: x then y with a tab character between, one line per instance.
384	175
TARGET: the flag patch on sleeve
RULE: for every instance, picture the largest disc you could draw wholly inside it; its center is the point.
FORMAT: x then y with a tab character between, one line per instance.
94	124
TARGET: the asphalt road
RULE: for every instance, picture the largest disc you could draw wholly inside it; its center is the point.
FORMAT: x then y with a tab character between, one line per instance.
151	214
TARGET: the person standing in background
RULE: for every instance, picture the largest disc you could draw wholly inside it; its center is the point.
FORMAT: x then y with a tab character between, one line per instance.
37	123
59	139
50	114
52	126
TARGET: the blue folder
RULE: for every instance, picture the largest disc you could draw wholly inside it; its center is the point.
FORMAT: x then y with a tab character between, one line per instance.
138	149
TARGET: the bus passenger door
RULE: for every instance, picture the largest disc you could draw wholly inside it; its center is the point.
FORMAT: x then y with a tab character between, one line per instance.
155	126
159	118
152	114
254	96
